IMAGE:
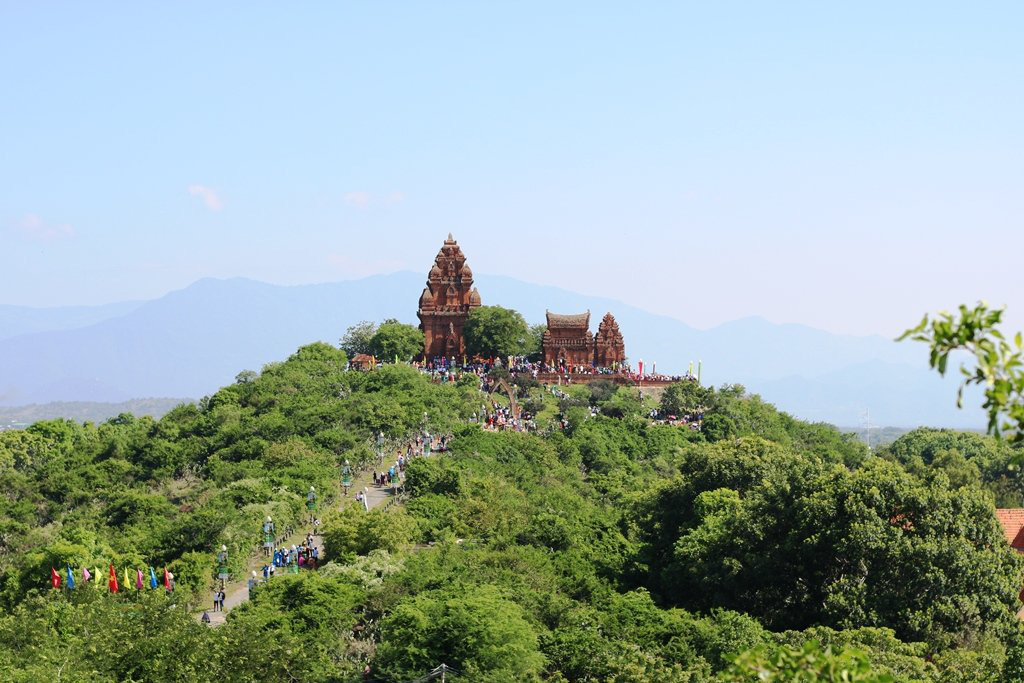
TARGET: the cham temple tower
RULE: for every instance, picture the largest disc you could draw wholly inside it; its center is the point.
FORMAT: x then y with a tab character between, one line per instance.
446	302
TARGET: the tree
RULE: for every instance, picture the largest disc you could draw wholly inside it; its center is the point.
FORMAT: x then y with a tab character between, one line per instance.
396	340
357	338
536	349
807	664
998	364
493	331
685	398
842	548
479	632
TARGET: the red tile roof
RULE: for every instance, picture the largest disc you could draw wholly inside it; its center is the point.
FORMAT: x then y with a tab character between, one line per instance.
1012	521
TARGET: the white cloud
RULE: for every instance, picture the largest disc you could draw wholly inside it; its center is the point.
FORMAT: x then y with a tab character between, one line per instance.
208	195
358	199
33	227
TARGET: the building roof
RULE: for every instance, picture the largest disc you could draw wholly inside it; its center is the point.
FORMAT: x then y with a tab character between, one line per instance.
362	358
1012	521
575	320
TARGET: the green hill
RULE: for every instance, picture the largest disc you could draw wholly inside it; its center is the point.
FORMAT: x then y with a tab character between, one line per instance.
603	547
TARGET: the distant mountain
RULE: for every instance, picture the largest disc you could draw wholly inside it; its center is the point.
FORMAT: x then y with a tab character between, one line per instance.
18	320
87	411
191	341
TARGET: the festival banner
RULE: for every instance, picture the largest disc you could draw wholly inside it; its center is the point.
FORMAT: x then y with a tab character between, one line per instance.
112	582
54	578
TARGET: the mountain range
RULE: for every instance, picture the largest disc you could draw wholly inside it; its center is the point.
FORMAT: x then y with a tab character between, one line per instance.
194	340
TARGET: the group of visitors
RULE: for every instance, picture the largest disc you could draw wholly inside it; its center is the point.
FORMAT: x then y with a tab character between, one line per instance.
501	418
291	560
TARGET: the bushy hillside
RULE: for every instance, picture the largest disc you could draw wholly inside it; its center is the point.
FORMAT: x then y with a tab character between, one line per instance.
603	547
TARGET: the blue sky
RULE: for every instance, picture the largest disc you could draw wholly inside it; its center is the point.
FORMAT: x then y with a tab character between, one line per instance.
844	167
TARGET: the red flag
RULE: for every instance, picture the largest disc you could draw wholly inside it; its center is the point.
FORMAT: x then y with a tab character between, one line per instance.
54	578
167	579
112	582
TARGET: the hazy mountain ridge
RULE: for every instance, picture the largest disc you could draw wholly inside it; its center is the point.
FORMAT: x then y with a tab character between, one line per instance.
88	411
193	340
19	320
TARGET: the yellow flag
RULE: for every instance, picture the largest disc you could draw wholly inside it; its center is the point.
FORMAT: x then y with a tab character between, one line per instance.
96	578
127	581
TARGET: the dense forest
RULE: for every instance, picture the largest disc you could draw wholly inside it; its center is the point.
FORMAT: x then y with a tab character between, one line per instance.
600	547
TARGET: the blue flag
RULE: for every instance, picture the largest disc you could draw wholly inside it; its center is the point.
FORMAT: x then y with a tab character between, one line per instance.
71	579
152	578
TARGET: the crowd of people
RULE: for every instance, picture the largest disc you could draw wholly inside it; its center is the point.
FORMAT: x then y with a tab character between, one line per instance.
499	417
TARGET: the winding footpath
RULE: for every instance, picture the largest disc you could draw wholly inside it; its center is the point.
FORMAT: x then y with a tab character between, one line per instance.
237	591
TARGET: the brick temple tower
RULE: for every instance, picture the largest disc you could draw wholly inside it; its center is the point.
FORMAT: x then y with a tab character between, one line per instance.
609	347
446	302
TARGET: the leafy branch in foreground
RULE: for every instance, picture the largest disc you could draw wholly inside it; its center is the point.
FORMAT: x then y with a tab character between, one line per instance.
998	363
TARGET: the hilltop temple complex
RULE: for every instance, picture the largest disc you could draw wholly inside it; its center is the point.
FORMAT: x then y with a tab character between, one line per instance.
449	296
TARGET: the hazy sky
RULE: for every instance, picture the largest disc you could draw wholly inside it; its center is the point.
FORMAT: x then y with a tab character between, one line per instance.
845	167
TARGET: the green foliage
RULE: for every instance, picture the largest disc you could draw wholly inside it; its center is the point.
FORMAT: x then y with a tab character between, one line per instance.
686	398
396	340
354	531
625	402
966	459
797	543
496	332
357	338
998	363
535	345
808	664
478	631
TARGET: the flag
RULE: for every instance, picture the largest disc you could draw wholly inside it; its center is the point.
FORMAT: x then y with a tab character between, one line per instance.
167	579
127	581
138	579
152	578
96	577
71	579
112	582
85	574
54	578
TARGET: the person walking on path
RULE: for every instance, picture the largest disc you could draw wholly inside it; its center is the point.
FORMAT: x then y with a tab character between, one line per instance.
252	583
311	503
268	536
346	477
222	565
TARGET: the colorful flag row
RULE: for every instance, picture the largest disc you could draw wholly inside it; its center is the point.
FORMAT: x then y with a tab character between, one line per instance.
112	584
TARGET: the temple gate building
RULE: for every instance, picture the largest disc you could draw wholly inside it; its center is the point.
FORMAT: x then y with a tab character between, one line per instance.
446	302
568	340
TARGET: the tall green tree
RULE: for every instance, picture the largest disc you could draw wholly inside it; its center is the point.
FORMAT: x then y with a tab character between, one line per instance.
480	632
357	338
396	340
493	331
686	398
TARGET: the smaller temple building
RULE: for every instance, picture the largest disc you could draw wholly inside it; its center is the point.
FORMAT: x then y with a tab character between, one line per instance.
568	341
